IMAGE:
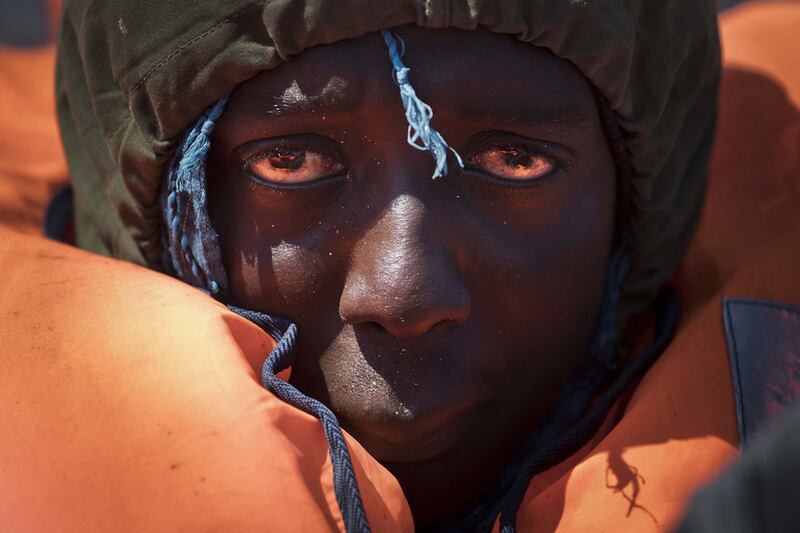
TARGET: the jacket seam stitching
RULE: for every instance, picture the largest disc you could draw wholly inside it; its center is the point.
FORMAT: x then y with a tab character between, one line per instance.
757	302
735	349
188	43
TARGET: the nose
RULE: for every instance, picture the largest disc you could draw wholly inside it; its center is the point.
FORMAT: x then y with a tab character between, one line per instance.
402	278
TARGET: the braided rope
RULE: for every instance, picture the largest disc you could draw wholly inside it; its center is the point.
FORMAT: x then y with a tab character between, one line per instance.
185	181
345	484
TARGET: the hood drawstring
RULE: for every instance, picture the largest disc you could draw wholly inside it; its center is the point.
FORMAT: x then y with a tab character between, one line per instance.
192	245
345	484
418	114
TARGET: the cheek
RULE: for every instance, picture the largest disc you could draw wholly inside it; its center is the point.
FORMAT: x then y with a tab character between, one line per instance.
280	257
279	277
541	279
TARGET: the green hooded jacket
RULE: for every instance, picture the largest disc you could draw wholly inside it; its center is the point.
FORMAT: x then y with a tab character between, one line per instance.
132	76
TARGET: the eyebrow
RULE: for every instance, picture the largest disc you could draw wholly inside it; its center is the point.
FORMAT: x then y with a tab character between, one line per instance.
553	118
337	95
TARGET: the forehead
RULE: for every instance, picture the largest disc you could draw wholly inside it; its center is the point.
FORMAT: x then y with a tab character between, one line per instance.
472	74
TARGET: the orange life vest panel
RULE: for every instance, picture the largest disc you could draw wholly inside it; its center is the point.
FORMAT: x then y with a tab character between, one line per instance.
131	404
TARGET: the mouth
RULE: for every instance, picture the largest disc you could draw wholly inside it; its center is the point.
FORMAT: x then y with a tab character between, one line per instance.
404	436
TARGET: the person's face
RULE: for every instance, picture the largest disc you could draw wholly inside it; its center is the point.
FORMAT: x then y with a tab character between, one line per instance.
438	318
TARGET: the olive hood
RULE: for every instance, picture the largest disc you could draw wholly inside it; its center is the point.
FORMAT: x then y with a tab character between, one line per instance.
132	76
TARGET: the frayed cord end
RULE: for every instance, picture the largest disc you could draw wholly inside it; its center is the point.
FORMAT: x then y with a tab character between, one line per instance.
421	135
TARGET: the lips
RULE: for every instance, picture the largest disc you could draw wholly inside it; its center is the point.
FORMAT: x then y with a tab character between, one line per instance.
408	436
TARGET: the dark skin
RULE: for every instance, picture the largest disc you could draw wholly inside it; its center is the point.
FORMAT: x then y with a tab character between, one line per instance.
438	318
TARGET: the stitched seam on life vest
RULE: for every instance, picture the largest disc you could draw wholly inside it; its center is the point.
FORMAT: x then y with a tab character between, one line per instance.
733	349
739	393
765	303
190	42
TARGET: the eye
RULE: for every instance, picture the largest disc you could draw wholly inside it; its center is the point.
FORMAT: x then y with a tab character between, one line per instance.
512	162
286	165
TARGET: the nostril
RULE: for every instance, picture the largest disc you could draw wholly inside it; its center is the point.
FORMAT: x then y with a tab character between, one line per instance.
376	328
405	314
403	327
392	328
445	324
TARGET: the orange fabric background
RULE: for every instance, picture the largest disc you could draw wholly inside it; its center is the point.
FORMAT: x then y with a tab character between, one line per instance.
131	404
32	164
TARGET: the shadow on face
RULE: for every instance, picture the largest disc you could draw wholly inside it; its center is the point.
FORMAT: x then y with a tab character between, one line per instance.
438	318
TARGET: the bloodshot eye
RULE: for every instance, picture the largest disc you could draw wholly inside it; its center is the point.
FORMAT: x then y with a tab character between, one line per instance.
284	165
516	163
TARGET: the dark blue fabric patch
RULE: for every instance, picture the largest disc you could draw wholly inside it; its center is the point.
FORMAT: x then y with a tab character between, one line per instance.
722	5
24	23
764	350
59	215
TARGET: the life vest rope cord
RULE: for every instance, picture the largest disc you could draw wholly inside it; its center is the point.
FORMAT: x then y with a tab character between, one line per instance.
345	484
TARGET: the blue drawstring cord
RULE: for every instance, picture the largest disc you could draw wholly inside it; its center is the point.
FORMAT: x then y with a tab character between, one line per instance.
192	243
418	114
345	484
